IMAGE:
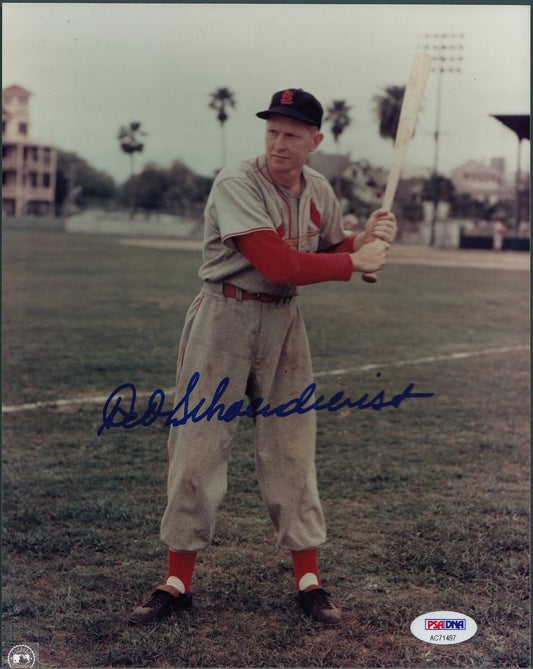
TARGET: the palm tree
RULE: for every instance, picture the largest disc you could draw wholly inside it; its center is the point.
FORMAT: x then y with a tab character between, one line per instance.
220	100
129	139
387	108
338	117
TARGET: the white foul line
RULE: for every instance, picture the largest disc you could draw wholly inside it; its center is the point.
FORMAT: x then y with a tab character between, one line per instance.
57	404
423	361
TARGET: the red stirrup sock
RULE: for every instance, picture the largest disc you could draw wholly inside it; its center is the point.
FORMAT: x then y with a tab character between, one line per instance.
306	568
180	569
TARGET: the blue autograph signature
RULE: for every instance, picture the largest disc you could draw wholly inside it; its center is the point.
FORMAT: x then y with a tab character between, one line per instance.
120	407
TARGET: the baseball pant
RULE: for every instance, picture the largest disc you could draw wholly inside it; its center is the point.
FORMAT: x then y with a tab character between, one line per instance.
263	349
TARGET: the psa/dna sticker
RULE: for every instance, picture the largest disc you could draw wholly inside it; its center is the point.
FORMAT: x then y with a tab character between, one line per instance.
443	627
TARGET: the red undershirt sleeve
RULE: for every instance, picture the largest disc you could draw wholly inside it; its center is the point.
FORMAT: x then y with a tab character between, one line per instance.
279	263
346	246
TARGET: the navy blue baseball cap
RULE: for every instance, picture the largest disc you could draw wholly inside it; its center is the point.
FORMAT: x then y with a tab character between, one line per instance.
296	103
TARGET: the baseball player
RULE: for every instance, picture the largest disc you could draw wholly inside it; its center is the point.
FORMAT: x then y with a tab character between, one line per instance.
272	224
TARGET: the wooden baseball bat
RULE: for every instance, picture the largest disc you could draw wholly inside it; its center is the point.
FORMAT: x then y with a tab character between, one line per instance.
414	92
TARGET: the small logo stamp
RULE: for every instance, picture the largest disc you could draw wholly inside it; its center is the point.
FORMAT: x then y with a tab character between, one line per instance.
443	627
23	656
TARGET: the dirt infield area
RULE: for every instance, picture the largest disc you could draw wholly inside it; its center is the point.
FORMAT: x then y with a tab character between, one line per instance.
400	254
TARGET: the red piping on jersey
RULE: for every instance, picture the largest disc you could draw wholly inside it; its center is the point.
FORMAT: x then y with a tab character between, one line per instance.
246	232
282	198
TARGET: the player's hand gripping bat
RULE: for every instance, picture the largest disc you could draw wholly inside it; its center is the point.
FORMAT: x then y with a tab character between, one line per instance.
414	92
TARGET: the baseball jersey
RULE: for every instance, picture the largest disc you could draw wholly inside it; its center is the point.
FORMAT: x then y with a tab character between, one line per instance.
243	200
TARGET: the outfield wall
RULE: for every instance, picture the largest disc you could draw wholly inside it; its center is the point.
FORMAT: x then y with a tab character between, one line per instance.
139	225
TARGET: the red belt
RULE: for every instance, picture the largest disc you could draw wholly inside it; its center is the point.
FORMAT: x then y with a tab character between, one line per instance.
231	291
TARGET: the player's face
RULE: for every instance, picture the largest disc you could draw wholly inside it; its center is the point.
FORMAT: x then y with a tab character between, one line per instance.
289	142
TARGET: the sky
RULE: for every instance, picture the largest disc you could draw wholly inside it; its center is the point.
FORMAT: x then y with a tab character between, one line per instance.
94	67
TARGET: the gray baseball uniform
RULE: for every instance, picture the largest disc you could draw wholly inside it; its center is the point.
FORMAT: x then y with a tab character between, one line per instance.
262	347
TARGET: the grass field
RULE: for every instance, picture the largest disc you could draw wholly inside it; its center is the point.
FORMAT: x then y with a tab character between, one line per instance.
427	505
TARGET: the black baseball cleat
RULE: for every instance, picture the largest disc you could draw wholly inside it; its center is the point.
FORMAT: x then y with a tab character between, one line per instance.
317	604
160	605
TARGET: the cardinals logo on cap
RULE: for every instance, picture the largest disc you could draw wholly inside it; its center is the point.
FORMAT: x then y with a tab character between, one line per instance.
287	98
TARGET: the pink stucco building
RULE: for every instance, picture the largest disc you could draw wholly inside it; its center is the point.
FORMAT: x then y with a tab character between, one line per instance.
28	167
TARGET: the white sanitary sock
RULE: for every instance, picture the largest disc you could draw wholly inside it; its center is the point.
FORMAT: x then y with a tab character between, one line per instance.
177	583
307	580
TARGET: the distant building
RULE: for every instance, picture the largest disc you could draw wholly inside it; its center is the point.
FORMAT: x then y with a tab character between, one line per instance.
498	164
366	183
482	182
330	165
28	167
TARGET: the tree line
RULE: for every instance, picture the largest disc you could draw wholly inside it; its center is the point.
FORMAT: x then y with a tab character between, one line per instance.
178	190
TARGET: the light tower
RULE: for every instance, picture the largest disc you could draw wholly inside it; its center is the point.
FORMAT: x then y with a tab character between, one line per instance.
446	50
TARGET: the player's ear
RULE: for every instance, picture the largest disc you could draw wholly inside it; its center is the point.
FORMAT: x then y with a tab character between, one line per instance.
317	140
